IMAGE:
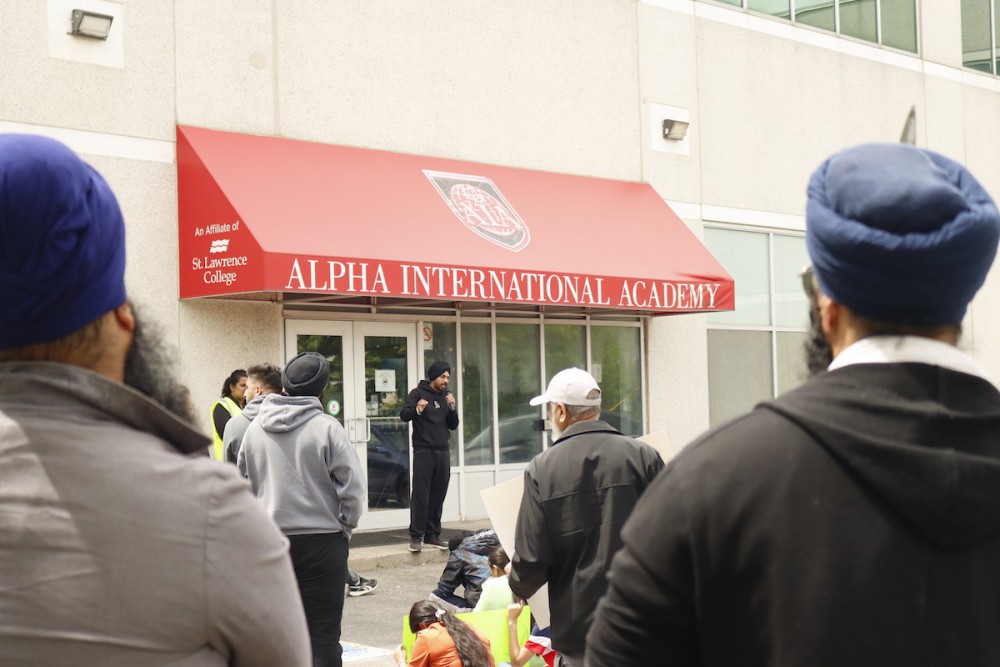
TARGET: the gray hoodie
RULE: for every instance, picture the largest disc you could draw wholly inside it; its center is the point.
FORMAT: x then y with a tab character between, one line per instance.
303	467
237	427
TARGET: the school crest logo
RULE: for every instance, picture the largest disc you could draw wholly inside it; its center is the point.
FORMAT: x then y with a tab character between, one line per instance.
481	207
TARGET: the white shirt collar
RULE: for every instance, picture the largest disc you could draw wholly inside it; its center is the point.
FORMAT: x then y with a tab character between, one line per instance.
908	349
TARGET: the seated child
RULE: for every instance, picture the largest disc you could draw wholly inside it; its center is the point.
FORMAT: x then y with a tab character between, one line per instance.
443	640
496	590
537	651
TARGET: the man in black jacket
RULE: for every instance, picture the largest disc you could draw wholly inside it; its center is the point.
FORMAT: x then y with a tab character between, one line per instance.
432	409
854	520
577	495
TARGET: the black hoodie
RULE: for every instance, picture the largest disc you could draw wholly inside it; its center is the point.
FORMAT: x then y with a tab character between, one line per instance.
430	429
853	521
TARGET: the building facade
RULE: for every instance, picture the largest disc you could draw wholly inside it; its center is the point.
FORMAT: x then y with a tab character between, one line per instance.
767	88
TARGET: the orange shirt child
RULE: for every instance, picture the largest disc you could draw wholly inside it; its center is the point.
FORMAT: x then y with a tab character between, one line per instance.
435	648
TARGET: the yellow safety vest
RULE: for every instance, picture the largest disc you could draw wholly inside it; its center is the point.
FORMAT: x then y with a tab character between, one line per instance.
234	409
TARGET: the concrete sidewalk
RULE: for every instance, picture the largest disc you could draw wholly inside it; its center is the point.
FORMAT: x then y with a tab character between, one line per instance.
366	560
373	624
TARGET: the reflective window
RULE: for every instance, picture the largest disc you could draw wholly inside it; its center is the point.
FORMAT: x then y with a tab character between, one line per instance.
477	389
790	360
745	256
791	306
817	13
977	48
739	372
565	347
858	18
617	367
757	351
439	345
518	381
331	347
899	24
777	8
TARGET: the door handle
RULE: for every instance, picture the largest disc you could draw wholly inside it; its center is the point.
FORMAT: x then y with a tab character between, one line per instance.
367	424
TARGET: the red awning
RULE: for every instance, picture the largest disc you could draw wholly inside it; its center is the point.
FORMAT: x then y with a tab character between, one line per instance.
265	214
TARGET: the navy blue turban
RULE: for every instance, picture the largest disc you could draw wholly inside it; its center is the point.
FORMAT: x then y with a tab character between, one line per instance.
900	234
62	242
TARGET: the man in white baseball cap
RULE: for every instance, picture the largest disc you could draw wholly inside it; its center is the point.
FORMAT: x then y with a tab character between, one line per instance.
577	495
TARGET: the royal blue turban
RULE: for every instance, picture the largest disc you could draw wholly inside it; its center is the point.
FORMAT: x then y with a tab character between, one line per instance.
900	234
62	242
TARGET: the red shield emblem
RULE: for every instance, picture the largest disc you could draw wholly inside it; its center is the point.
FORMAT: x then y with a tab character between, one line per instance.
478	203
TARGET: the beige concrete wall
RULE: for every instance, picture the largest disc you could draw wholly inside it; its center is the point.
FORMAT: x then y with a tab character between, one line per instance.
135	100
543	84
559	85
217	337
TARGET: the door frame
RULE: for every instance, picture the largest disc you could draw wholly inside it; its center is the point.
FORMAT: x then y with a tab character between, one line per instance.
383	518
352	334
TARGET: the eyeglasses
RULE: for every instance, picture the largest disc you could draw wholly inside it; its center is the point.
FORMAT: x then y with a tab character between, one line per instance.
808	285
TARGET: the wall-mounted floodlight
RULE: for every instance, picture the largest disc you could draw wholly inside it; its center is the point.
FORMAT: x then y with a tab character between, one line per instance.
674	130
90	24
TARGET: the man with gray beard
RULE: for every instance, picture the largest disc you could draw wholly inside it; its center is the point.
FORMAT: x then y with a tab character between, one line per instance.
117	545
577	495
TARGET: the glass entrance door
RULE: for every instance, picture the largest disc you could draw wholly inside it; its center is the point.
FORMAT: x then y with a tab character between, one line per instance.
371	366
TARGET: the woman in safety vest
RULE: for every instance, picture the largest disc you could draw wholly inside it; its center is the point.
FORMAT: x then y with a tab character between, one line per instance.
227	407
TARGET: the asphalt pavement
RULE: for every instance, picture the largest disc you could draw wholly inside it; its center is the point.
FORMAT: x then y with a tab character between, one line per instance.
373	624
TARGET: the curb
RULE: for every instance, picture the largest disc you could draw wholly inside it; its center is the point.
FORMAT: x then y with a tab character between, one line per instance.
367	559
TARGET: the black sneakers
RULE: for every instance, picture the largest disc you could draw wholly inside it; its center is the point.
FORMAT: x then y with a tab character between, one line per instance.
363	587
415	545
435	542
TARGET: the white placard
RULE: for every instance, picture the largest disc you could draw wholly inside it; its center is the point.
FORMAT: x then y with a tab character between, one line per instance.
385	380
503	502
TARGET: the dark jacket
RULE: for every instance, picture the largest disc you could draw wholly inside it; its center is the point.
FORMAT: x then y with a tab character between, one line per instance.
430	429
577	496
853	521
468	566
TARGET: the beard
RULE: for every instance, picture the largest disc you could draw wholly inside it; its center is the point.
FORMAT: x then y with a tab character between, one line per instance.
556	433
819	354
150	371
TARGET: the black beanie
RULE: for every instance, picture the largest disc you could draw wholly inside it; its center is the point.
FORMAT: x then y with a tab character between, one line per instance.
437	369
306	374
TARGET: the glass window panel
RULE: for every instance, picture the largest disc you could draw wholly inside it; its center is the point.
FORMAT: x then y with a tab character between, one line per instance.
744	255
857	19
791	361
477	389
388	448
976	34
899	24
817	13
739	372
331	347
996	25
441	347
736	3
518	381
777	8
565	347
617	369
791	307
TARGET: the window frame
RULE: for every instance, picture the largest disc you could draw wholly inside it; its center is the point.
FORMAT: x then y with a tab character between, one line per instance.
744	5
772	328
